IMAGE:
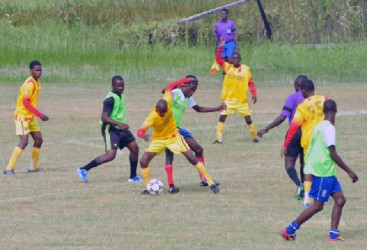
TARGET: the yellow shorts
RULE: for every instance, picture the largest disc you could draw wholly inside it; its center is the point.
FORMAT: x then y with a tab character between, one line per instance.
243	109
25	127
176	145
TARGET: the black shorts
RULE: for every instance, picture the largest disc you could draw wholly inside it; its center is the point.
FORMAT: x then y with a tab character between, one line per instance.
114	138
294	148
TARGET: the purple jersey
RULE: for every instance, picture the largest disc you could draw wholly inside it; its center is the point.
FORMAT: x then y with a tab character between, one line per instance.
225	30
290	105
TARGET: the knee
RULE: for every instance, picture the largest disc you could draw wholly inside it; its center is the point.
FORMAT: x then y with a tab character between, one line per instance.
143	163
38	142
341	201
199	151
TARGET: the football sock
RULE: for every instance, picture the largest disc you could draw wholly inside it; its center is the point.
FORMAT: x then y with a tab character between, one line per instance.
14	157
133	166
251	128
201	176
334	233
292	227
35	157
307	191
169	174
96	162
220	129
302	175
292	173
145	172
203	171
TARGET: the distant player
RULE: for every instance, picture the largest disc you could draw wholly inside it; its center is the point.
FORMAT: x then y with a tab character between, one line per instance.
166	136
182	98
308	114
294	149
321	161
115	132
25	120
236	83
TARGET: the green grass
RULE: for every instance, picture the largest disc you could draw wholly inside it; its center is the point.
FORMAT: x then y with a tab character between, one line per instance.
53	209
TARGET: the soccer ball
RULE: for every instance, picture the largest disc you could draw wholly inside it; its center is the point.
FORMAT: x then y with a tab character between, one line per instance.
155	187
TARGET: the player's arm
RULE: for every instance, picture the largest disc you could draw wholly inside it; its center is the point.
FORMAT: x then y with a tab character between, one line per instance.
105	116
252	88
277	121
338	160
27	104
201	109
218	54
147	124
173	85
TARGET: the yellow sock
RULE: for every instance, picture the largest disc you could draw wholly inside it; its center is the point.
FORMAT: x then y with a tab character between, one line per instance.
307	185
145	172
220	129
252	130
14	157
35	157
204	172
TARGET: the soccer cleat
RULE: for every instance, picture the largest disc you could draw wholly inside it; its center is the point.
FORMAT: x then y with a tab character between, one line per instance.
215	188
337	239
135	179
255	140
205	184
287	236
300	192
82	173
9	172
145	192
33	171
172	189
217	142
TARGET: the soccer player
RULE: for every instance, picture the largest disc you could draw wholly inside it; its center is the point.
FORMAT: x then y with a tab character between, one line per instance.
166	136
235	86
115	132
25	120
321	161
225	30
294	149
308	114
182	98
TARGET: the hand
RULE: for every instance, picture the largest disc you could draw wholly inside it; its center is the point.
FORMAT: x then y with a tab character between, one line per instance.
123	126
146	137
221	42
353	176
254	99
283	152
222	107
261	132
44	117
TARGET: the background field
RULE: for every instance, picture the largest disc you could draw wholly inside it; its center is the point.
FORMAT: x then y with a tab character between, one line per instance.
53	209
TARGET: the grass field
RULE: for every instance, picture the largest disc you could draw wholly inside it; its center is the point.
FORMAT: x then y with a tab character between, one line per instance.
53	210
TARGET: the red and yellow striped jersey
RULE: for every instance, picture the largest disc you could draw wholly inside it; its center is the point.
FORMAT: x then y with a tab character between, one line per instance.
29	90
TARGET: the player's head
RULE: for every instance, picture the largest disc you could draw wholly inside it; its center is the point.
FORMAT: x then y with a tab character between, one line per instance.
189	88
307	88
330	110
236	59
298	81
224	14
161	107
36	69
118	84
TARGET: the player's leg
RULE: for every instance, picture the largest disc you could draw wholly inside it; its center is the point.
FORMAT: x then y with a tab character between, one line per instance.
169	172
36	149
251	129
144	164
220	128
133	159
339	202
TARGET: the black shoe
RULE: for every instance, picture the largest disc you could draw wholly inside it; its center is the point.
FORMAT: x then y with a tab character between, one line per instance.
205	184
33	171
172	189
255	140
145	192
215	188
9	172
217	142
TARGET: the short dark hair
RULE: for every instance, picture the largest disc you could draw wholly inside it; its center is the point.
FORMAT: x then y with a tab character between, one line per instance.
224	9
34	63
116	78
300	79
308	85
329	106
192	76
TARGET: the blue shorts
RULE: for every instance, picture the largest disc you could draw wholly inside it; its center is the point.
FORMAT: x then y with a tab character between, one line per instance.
185	133
229	48
323	187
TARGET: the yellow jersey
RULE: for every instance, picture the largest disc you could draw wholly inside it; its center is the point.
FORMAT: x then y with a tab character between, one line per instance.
29	90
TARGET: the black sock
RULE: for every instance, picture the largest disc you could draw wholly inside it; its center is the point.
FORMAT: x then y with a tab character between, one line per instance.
92	164
292	173
133	166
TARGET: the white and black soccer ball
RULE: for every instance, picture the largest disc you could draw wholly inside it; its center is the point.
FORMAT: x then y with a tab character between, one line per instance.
155	187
